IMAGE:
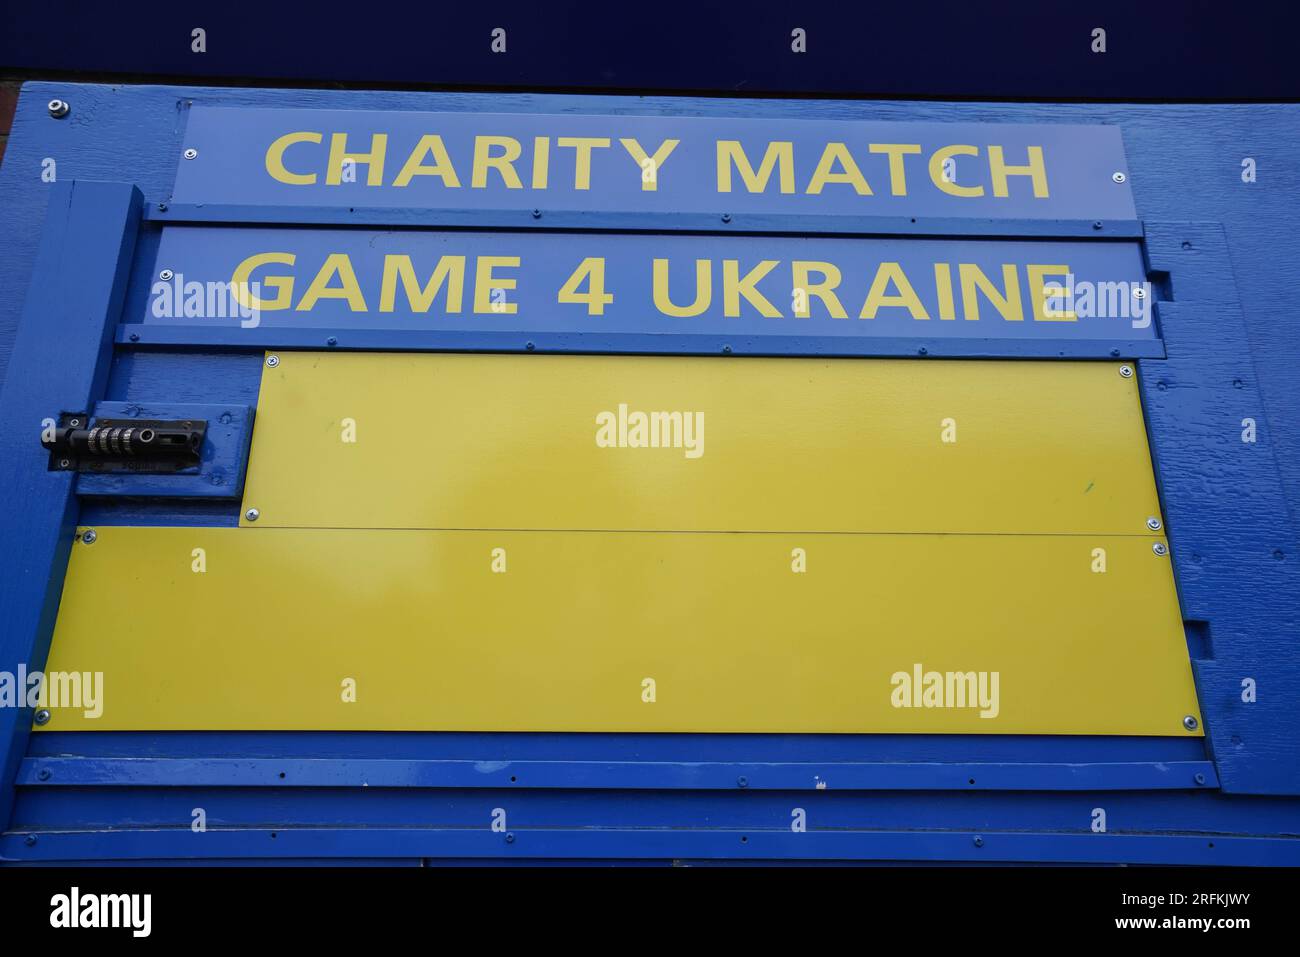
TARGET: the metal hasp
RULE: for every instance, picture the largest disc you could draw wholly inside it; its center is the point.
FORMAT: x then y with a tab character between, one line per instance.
153	446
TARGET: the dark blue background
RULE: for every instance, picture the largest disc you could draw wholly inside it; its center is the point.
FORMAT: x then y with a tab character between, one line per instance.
1011	49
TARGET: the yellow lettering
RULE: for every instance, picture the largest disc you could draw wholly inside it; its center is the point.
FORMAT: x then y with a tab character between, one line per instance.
430	143
892	273
335	264
897	174
703	289
503	163
275	159
374	160
778	153
450	269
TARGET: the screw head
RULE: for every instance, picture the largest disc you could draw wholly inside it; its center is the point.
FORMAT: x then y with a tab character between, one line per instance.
1118	177
1139	293
43	774
30	840
332	341
191	153
1190	723
1199	779
43	716
979	841
1159	548
726	217
1153	523
165	275
537	214
1126	371
742	781
252	515
58	109
272	361
510	837
89	536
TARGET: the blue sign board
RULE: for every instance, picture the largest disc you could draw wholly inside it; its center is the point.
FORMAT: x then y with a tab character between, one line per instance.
652	164
630	292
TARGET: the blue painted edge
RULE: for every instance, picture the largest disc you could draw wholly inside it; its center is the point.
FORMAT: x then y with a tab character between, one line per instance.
605	843
223	459
654	775
398	340
592	221
60	363
1232	542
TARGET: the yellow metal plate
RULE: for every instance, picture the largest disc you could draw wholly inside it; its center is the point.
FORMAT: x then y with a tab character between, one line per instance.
264	628
463	441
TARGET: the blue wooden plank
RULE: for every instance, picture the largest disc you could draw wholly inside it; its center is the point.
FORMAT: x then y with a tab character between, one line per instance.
223	456
545	217
60	364
1234	546
1204	811
607	747
753	844
131	334
642	775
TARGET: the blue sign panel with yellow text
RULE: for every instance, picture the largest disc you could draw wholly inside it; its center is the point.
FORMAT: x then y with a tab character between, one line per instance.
840	170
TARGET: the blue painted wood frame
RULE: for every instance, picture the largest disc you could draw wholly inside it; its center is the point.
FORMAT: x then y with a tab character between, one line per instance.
1235	624
60	364
1234	546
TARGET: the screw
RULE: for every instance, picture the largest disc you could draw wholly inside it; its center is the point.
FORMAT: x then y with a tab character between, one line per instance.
43	774
1118	177
923	351
1159	548
134	337
1139	293
537	214
58	109
726	350
74	422
1096	225
165	275
1190	723
64	463
1126	371
162	207
726	217
191	154
89	536
979	841
1153	523
331	341
1200	779
252	515
43	716
29	840
529	346
272	361
510	837
742	781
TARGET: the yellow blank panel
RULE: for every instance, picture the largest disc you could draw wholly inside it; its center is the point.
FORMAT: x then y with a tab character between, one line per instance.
463	441
264	628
